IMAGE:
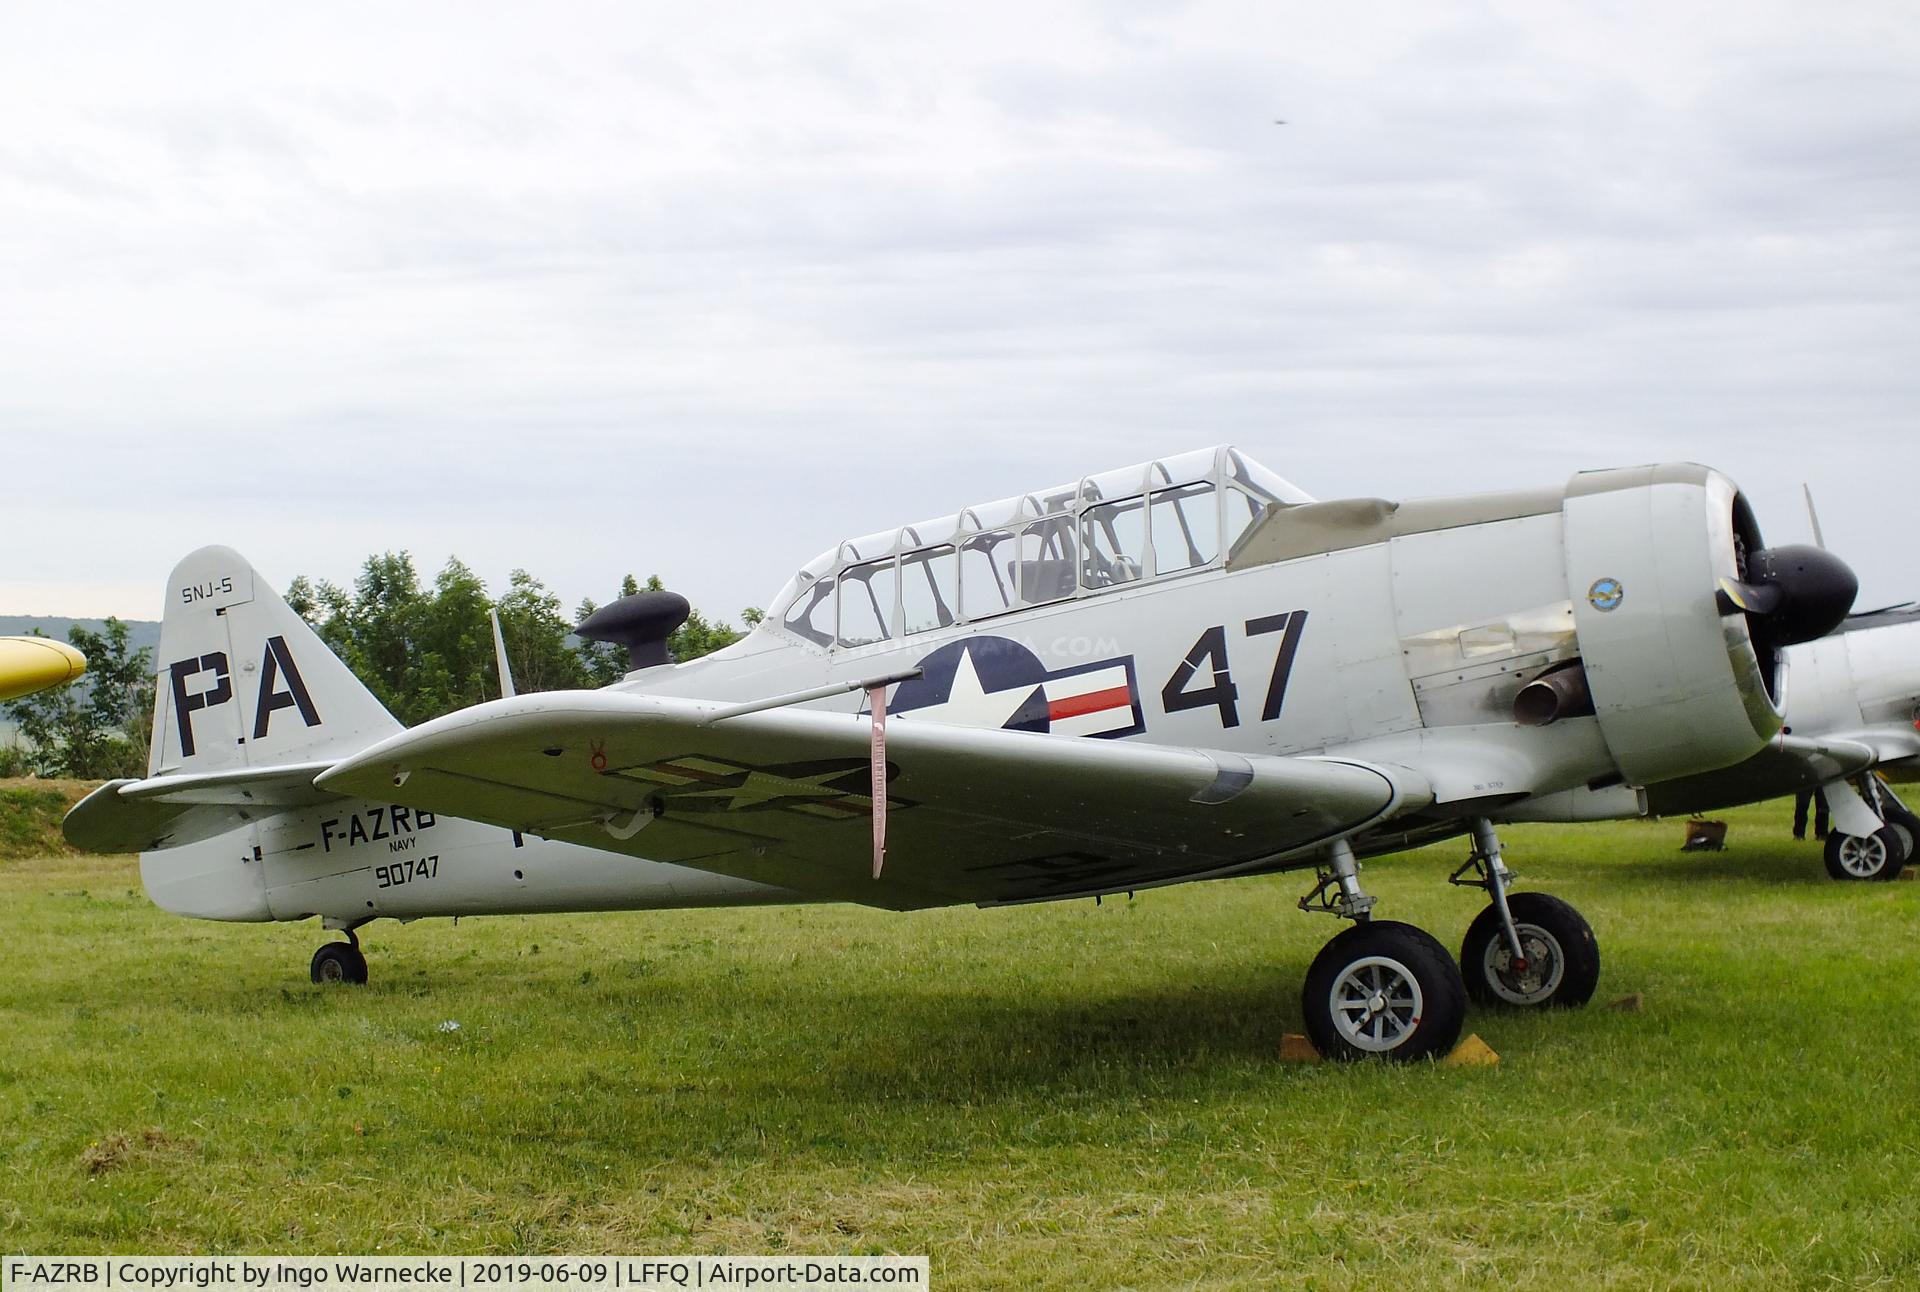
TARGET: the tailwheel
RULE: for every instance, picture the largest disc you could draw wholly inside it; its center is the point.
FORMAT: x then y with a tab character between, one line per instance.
1384	990
339	962
1866	856
1559	964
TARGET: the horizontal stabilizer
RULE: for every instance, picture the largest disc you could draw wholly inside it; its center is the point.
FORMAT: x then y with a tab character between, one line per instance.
168	811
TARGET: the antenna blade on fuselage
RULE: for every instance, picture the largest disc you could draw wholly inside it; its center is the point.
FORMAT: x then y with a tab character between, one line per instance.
500	657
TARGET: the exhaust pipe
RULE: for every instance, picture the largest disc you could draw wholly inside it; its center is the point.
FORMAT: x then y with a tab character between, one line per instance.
1560	692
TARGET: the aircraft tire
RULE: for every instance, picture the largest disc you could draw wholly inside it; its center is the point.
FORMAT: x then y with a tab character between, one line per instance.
1903	823
1875	856
1564	955
338	962
1384	990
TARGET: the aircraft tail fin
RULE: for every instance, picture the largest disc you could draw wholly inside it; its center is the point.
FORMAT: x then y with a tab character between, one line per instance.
243	682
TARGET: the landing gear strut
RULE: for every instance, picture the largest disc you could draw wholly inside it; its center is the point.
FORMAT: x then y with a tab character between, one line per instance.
339	962
1381	989
1900	820
1879	854
1525	949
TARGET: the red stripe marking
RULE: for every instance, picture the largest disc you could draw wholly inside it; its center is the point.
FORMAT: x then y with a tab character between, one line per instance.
1073	706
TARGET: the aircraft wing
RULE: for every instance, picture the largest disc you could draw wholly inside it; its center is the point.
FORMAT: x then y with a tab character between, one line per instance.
1786	766
783	797
1890	743
167	811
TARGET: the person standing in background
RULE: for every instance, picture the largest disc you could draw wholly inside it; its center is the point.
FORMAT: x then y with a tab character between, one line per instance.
1800	801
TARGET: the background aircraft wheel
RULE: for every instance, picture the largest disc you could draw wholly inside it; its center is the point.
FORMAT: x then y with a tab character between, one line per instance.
1563	959
1865	856
1903	823
1384	990
338	962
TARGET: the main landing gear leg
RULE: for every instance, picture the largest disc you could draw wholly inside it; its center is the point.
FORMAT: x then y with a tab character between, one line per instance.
1899	817
1872	835
1525	949
1381	989
340	961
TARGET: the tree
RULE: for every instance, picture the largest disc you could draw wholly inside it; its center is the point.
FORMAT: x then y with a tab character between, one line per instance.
453	643
100	726
699	635
422	653
604	662
388	608
372	628
428	651
536	637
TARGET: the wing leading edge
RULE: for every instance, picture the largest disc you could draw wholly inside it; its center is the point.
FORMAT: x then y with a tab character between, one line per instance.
1788	765
782	797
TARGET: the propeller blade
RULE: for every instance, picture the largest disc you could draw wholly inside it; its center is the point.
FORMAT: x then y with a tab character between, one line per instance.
1753	598
1819	539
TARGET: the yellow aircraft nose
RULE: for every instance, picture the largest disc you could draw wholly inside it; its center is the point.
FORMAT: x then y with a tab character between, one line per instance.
29	664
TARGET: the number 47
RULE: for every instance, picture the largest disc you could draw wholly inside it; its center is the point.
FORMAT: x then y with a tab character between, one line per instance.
1211	650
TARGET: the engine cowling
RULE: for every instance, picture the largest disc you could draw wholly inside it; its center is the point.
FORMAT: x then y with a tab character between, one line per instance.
1682	615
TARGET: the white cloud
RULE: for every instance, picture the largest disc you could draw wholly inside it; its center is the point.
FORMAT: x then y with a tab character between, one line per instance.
603	287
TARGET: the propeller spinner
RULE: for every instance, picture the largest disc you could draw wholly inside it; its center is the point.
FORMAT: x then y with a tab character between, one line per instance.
1791	594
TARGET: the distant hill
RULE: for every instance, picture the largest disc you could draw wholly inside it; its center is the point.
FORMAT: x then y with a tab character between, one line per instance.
140	632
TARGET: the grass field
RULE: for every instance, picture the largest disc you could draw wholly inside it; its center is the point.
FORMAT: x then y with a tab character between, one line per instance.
1049	1096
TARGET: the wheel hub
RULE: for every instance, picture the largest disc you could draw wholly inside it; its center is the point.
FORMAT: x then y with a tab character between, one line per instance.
1527	979
1376	1003
1863	856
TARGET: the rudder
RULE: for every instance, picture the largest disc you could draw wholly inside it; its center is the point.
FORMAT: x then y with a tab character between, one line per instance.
244	682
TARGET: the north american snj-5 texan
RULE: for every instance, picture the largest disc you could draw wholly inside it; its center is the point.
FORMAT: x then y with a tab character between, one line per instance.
1177	671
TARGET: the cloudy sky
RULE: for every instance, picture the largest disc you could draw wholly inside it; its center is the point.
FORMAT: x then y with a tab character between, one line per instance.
701	289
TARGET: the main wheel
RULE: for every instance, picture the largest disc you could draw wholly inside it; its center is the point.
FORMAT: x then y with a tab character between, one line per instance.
1865	856
1903	823
338	962
1562	957
1384	990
